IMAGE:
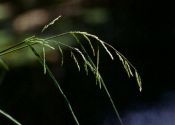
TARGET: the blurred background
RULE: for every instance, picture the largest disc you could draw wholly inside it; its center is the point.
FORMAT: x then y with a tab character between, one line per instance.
142	30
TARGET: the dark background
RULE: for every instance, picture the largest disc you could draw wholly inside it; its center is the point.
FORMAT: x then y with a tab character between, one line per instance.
142	30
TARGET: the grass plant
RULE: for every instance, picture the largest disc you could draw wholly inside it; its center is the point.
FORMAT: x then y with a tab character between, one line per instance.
95	44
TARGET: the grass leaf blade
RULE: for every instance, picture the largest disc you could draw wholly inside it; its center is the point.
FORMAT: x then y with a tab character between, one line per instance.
9	117
89	44
51	23
138	78
97	68
44	59
99	40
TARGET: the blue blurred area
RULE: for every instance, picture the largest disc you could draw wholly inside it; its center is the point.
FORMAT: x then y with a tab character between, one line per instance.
142	30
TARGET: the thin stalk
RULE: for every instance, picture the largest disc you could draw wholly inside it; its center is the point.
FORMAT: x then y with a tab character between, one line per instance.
55	36
14	48
111	100
63	94
55	83
9	117
108	94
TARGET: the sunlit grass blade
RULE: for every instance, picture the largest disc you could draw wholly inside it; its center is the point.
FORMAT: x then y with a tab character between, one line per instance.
129	69
99	40
89	41
97	68
138	78
55	82
120	57
75	60
127	65
9	117
49	46
51	23
44	59
86	61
